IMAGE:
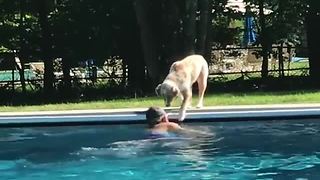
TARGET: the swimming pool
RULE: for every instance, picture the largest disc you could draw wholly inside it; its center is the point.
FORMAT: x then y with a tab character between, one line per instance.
238	150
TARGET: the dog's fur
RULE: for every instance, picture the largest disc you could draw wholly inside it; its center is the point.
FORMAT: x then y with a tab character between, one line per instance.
181	76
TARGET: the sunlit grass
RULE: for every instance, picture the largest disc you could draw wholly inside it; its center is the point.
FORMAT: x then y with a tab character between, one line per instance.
219	99
263	98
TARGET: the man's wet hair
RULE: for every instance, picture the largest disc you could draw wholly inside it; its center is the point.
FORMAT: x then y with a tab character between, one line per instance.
153	115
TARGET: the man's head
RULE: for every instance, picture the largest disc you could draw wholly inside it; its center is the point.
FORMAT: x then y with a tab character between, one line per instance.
168	92
155	115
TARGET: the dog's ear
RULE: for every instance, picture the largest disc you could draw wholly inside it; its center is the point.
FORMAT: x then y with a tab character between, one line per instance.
158	89
175	90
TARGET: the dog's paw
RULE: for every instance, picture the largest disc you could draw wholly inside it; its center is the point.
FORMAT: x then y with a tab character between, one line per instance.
199	106
181	118
182	115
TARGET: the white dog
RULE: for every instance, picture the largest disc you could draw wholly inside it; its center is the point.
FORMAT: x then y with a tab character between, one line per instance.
181	76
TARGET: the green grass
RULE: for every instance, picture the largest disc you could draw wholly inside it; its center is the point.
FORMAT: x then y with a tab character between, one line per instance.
218	99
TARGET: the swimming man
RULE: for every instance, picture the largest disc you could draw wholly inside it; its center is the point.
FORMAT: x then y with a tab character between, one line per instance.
160	126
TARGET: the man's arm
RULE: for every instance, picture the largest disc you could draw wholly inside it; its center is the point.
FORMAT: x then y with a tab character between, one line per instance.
176	127
197	132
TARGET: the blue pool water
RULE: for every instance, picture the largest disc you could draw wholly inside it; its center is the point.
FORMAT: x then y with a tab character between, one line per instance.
238	150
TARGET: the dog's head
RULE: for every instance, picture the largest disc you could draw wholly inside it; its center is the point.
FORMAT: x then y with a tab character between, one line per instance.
168	92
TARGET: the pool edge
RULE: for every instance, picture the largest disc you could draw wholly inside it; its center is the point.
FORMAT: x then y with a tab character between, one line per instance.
136	116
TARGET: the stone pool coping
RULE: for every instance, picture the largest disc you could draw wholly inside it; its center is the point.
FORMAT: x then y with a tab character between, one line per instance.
136	115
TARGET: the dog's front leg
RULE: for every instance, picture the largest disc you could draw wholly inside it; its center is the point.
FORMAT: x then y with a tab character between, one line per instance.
186	99
188	103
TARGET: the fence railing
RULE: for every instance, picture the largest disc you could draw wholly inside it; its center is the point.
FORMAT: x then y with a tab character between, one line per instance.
241	61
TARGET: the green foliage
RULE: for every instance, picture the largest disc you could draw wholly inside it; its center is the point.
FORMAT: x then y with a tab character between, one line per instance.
284	19
82	29
87	29
222	33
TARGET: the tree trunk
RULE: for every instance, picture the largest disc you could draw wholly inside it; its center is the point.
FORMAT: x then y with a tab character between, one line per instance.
66	72
20	66
171	36
136	69
208	49
189	26
46	47
22	46
203	27
136	76
281	60
264	44
130	49
148	40
313	39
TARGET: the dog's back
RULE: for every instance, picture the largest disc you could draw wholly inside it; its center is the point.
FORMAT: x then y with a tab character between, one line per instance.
190	66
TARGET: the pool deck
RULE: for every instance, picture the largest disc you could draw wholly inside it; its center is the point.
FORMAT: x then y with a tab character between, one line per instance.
137	116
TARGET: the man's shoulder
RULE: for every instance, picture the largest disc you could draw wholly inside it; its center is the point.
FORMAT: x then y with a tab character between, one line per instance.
174	125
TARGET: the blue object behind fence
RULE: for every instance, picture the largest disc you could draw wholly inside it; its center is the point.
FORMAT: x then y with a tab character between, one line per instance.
249	36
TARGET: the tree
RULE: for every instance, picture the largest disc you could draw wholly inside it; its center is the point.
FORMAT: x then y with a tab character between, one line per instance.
204	28
282	24
127	45
179	28
22	40
264	42
148	36
189	26
313	38
15	18
43	10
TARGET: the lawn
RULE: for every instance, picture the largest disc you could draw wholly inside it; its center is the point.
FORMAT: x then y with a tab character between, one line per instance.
214	99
